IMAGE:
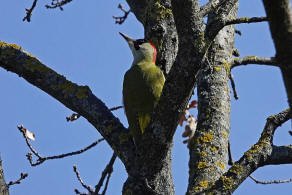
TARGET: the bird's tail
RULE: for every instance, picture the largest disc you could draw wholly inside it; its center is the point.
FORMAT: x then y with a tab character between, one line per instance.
144	120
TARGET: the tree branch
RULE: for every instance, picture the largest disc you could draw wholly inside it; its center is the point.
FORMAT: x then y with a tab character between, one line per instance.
272	181
43	159
106	172
280	22
181	80
254	60
80	99
233	89
58	3
88	188
246	20
29	11
22	177
210	7
121	19
280	155
261	154
218	20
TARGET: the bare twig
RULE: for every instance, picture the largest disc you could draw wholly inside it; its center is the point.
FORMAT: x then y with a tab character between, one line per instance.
271	181
42	159
233	86
22	177
115	108
89	188
57	3
121	19
230	160
23	130
107	182
254	60
107	171
73	117
29	11
246	20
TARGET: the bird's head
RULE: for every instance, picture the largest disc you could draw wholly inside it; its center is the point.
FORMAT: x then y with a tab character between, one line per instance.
141	49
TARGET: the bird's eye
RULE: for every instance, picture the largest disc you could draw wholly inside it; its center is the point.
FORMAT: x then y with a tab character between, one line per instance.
139	42
136	45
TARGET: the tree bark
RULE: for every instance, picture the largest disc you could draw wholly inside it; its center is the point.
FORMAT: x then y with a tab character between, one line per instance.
3	187
208	150
280	22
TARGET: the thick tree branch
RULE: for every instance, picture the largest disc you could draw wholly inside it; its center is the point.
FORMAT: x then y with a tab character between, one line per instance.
181	79
154	165
157	139
209	7
280	155
280	22
261	154
78	98
217	22
254	60
245	20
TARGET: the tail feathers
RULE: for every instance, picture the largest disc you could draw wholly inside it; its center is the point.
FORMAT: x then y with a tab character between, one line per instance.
144	120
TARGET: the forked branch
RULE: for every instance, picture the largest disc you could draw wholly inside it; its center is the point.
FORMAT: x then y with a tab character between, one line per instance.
43	159
261	154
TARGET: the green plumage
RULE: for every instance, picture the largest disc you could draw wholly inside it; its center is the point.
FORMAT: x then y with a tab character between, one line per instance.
142	88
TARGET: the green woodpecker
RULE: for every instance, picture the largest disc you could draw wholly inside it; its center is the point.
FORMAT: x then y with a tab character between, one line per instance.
142	86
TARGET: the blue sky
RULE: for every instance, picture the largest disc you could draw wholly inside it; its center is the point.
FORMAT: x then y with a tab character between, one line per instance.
83	44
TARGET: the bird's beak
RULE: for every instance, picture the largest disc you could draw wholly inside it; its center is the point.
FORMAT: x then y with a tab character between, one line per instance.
127	38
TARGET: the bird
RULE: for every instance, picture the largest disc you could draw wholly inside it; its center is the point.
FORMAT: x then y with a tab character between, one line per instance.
142	86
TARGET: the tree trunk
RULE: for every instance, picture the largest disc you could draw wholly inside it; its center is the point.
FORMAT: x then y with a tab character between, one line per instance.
208	149
150	179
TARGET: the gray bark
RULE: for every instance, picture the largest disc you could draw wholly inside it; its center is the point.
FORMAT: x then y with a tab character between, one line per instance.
208	151
3	187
